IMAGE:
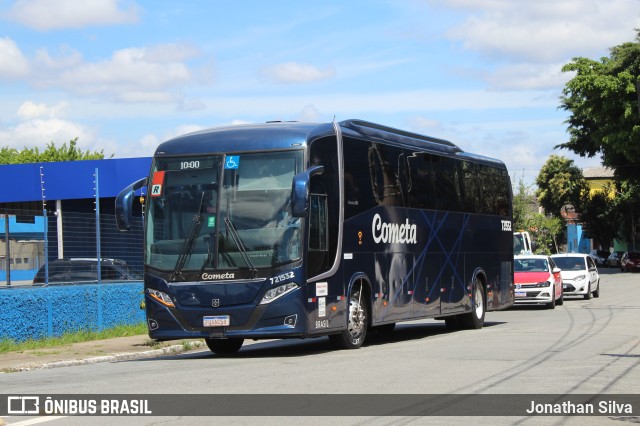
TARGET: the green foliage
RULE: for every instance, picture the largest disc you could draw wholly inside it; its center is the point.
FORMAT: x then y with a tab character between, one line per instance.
545	231
523	198
560	182
604	101
599	216
627	207
7	345
33	155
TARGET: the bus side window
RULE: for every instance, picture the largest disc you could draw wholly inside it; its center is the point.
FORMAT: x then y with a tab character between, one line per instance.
447	183
318	238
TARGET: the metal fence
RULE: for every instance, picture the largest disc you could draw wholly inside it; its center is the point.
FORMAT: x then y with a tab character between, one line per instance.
36	241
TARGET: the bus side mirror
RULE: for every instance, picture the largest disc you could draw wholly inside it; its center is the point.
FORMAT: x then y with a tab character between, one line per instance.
300	191
124	204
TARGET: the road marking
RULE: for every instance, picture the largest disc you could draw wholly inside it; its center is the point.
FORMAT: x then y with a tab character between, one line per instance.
36	421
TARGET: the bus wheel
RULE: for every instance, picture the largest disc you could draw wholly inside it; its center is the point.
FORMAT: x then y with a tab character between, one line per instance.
353	336
475	318
224	346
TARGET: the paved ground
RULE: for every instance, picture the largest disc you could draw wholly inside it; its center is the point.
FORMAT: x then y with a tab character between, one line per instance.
109	350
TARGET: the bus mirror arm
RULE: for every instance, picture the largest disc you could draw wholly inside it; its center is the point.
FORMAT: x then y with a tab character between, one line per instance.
124	204
300	191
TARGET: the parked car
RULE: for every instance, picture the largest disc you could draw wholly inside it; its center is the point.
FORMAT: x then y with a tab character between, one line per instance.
614	258
579	274
537	280
630	261
85	270
600	257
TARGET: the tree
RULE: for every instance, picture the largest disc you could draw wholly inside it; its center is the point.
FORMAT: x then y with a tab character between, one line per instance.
51	154
600	216
627	204
560	182
603	99
545	231
522	200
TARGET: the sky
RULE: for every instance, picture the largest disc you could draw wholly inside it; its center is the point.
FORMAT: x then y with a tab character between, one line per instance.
124	75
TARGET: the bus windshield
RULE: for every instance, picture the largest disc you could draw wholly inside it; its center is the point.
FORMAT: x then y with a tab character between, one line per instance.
222	212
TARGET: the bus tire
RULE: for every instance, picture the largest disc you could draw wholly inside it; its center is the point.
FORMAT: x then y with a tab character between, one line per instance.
224	346
475	318
353	337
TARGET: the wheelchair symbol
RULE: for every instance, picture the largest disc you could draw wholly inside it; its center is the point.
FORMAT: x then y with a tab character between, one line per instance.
233	161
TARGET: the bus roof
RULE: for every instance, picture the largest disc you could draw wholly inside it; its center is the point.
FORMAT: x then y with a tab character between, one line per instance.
288	134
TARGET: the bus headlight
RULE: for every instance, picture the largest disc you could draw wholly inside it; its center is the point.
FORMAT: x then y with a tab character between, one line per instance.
277	292
160	297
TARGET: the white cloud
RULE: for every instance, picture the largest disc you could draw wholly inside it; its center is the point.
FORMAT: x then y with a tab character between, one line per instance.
147	74
29	110
293	72
44	15
309	114
545	30
40	132
13	64
528	77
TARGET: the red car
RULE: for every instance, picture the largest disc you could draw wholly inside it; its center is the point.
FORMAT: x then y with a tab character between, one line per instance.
537	280
630	261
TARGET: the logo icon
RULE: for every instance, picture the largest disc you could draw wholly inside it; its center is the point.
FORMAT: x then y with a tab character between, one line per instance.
23	405
232	162
215	303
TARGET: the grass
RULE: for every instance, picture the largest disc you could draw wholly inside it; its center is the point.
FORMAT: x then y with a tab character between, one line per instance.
8	345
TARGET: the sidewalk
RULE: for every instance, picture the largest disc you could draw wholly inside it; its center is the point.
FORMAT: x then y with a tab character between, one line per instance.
108	350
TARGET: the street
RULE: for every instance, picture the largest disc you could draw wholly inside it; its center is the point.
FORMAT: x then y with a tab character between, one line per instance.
583	347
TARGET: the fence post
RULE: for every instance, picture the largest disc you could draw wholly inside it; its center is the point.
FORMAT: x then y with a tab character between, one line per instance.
7	249
97	209
46	228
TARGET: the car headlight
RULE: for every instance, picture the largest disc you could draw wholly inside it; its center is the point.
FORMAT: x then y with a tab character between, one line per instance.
277	292
580	278
543	284
160	297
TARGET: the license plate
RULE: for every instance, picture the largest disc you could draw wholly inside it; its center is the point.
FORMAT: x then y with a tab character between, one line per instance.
216	321
521	294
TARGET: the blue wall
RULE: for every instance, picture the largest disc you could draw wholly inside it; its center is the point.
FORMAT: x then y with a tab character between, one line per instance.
576	241
37	312
70	179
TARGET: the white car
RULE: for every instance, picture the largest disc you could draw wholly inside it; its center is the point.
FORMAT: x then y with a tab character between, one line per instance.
579	274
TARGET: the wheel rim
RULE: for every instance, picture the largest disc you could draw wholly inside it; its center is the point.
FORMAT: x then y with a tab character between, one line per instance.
479	303
357	318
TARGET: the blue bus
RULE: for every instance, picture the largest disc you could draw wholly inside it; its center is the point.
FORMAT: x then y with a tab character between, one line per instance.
298	230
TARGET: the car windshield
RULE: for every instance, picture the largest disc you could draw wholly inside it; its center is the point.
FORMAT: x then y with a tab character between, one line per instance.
222	212
531	265
570	263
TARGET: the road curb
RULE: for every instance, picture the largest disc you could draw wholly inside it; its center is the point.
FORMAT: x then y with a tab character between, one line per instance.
126	356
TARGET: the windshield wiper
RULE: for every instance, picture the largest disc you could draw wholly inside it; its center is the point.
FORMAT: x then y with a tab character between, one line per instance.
241	247
209	260
187	246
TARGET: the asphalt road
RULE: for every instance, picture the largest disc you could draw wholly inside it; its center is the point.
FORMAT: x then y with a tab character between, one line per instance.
583	347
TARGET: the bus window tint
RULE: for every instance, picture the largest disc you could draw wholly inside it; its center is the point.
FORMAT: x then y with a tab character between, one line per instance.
422	194
323	152
447	183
